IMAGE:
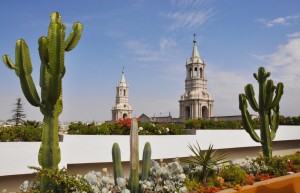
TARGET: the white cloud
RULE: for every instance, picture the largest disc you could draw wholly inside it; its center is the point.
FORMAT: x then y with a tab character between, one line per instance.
143	51
294	35
189	14
284	65
225	88
285	62
279	21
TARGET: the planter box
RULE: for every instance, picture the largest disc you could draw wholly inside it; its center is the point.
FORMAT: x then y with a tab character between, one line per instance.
284	184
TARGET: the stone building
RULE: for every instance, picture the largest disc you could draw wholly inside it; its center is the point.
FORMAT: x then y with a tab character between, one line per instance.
196	102
122	109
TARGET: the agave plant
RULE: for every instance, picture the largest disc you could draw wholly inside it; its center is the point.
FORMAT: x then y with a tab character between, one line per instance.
207	160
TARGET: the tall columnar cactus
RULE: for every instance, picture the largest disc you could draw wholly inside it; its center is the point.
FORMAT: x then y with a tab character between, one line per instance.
267	107
134	159
51	50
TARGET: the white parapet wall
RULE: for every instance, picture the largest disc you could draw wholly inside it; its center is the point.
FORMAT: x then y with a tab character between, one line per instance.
15	157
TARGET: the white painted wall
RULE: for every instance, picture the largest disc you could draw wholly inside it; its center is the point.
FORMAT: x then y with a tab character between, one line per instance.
76	149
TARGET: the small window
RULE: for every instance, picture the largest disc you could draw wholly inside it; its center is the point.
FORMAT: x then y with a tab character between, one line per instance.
201	73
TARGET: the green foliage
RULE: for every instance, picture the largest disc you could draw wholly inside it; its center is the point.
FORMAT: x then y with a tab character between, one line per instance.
212	124
116	129
289	120
61	182
206	159
21	133
276	166
191	184
294	161
91	129
233	174
32	123
267	107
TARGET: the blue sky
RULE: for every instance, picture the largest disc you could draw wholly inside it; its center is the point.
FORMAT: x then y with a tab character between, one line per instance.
152	39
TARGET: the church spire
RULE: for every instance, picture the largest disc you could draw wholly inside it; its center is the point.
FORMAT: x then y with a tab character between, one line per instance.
123	81
195	54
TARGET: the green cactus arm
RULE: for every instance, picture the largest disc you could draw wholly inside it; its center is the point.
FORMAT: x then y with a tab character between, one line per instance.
7	61
250	95
269	93
43	50
246	118
56	34
279	93
134	157
274	122
44	69
146	161
23	63
74	36
262	75
117	164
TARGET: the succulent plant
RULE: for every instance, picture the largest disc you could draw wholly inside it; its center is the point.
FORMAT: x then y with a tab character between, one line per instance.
134	159
267	107
51	50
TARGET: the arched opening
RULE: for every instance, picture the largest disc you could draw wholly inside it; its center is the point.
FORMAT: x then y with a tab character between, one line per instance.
195	72
125	116
191	73
187	112
205	112
124	92
201	73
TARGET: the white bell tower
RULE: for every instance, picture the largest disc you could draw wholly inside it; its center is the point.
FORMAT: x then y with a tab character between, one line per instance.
196	102
122	109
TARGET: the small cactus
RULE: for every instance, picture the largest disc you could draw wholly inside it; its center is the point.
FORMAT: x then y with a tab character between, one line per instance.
134	159
268	104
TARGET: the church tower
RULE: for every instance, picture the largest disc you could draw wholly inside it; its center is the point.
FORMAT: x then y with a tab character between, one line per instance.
122	109
196	102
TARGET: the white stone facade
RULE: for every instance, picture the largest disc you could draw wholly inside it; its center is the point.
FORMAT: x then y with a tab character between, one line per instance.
122	109
196	102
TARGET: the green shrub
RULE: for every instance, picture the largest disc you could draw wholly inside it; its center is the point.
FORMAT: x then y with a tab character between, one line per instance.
233	174
61	182
193	124
294	161
289	120
212	124
21	133
117	128
276	166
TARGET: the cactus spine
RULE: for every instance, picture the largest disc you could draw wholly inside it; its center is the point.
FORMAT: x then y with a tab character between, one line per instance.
267	107
134	159
51	50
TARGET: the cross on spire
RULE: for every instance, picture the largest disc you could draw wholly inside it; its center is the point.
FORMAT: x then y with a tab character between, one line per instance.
194	38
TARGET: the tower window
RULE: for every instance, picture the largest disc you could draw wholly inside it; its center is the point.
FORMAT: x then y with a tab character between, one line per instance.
191	73
124	92
201	73
196	72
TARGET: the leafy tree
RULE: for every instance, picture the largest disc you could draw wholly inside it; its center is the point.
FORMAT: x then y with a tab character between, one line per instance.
18	112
